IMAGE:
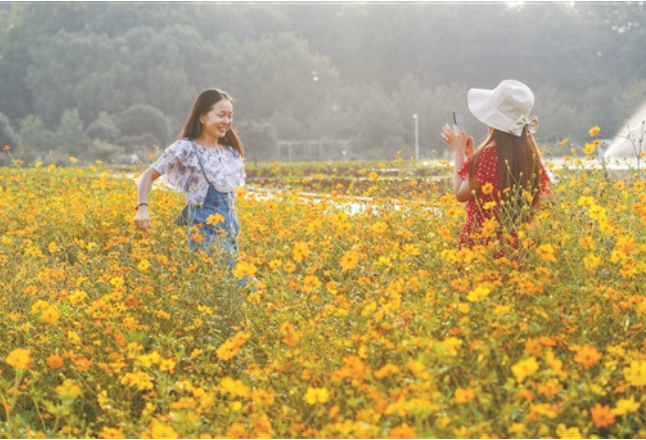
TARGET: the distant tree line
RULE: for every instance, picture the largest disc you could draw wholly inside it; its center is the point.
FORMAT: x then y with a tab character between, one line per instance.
106	80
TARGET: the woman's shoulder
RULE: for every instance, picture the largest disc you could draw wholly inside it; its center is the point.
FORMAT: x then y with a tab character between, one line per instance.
180	144
230	150
181	148
489	150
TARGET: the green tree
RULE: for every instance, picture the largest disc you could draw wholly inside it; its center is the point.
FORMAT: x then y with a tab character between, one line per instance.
29	24
557	118
260	137
7	134
277	72
74	70
36	140
142	119
69	133
103	128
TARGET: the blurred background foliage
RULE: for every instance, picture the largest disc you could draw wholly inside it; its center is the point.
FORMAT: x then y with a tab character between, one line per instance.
110	81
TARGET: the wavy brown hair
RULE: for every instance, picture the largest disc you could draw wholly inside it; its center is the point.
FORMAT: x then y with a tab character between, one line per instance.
203	104
519	172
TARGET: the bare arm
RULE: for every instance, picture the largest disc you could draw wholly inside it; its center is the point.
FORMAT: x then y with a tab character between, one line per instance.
462	146
461	187
142	218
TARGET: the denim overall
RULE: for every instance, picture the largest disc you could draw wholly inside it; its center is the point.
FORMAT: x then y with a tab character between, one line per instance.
220	239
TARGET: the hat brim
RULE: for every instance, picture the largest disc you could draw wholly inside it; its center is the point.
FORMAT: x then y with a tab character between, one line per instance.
482	107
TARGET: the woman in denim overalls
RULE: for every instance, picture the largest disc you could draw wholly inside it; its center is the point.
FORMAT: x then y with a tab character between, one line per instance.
206	165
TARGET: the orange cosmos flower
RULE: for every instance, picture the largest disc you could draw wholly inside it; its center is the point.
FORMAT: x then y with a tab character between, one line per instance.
602	416
587	356
403	431
55	361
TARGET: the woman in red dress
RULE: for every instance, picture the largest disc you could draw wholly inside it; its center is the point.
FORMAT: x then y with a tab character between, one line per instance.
504	181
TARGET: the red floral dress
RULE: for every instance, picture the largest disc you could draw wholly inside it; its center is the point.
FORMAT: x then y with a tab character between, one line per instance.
485	204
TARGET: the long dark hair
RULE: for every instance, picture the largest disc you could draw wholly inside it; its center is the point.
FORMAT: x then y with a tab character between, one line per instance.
203	104
519	172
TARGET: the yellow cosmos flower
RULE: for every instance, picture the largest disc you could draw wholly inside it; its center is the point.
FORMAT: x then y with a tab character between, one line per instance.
140	380
317	395
301	251
50	315
585	201
524	368
311	283
289	335
478	294
563	432
546	252
244	269
587	242
626	244
589	148
159	430
625	406
73	159
597	212
234	387
19	358
379	227
594	130
386	371
214	219
464	395
636	373
452	344
117	281
237	430
112	433
591	262
68	390
231	347
487	188
263	397
350	260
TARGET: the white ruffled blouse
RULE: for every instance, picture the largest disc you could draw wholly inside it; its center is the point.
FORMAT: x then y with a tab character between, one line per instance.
180	168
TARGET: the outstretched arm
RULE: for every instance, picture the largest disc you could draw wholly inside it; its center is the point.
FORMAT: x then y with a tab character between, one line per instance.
142	218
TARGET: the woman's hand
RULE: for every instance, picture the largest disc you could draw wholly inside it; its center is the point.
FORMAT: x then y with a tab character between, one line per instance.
142	218
458	140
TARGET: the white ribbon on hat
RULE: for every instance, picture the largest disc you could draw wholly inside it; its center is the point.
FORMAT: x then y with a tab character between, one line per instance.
522	121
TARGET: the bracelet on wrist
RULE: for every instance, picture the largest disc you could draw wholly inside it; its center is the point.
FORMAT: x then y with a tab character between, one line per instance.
141	204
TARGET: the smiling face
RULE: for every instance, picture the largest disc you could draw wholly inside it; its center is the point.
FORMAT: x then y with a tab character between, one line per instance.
218	120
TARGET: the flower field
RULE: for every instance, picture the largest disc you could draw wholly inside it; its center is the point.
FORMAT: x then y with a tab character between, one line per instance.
364	324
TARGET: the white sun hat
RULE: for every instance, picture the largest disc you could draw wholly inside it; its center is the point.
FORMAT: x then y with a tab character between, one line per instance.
505	108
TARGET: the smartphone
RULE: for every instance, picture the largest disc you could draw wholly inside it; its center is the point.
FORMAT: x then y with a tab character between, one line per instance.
458	119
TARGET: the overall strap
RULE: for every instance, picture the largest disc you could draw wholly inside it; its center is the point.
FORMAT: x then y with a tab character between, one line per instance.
228	197
200	161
